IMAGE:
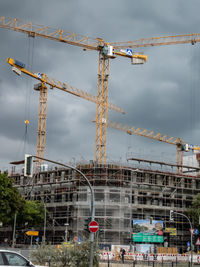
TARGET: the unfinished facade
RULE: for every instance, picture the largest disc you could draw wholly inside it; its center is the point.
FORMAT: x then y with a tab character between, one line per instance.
122	194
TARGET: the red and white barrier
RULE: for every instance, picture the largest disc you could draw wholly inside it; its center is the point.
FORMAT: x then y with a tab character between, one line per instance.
158	257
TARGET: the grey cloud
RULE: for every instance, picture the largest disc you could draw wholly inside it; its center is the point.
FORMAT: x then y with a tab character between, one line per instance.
161	95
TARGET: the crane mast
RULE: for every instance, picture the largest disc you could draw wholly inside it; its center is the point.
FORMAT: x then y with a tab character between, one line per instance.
42	115
102	47
19	68
86	43
102	103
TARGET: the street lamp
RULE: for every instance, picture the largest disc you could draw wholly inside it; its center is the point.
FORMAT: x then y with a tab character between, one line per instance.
29	168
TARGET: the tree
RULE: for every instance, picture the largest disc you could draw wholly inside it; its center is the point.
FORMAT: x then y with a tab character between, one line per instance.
43	254
12	202
32	213
10	199
194	210
82	254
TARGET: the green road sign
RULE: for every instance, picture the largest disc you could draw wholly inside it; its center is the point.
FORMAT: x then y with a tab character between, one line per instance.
146	237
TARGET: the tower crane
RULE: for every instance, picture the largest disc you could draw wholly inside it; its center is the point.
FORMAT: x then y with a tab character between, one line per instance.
19	67
180	145
105	50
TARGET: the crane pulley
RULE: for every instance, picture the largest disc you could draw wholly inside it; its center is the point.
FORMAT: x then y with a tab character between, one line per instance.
106	51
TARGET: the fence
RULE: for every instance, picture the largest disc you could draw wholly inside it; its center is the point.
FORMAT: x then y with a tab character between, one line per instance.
165	260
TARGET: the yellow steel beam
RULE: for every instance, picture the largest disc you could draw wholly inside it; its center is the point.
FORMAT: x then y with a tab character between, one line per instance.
62	86
159	41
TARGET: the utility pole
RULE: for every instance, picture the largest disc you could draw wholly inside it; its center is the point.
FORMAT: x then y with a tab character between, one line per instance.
66	236
14	229
45	223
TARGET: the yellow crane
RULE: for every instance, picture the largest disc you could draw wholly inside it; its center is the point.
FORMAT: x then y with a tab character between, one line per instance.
180	145
106	51
19	67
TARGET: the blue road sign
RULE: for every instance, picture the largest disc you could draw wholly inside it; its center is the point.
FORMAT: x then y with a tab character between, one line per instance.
80	240
39	75
196	231
129	52
188	244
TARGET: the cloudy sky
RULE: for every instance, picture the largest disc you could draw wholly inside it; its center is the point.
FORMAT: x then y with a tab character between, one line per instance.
161	95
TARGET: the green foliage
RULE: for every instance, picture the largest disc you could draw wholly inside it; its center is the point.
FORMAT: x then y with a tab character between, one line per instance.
32	213
64	257
139	228
194	210
43	254
70	255
10	199
82	255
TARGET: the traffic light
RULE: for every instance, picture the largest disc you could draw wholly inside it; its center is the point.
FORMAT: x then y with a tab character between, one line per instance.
100	232
28	166
171	217
86	224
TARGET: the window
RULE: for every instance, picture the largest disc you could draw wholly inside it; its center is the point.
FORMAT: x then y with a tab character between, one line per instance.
114	198
153	179
166	202
140	178
198	184
142	200
15	259
177	181
99	197
82	197
165	180
99	212
187	183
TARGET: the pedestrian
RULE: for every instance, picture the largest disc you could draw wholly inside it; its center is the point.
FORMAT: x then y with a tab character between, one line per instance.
122	254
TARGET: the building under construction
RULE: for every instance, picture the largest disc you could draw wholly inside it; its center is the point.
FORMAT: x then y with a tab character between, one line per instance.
145	190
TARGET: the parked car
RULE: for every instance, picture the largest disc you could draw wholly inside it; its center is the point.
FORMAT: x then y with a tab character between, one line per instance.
14	259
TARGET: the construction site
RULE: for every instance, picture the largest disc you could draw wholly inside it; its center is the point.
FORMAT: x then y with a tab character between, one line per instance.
122	194
133	201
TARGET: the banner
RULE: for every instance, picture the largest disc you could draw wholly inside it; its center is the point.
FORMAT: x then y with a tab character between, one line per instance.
148	231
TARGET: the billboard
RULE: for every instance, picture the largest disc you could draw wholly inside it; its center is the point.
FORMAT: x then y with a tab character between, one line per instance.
148	231
171	231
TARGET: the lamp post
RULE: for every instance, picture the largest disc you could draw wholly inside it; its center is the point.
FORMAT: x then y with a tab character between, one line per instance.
14	230
45	223
92	206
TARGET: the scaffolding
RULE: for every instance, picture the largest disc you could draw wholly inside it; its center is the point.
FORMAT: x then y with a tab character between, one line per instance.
122	194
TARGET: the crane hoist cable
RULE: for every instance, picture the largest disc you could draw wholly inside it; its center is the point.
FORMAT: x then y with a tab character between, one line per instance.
19	67
107	50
